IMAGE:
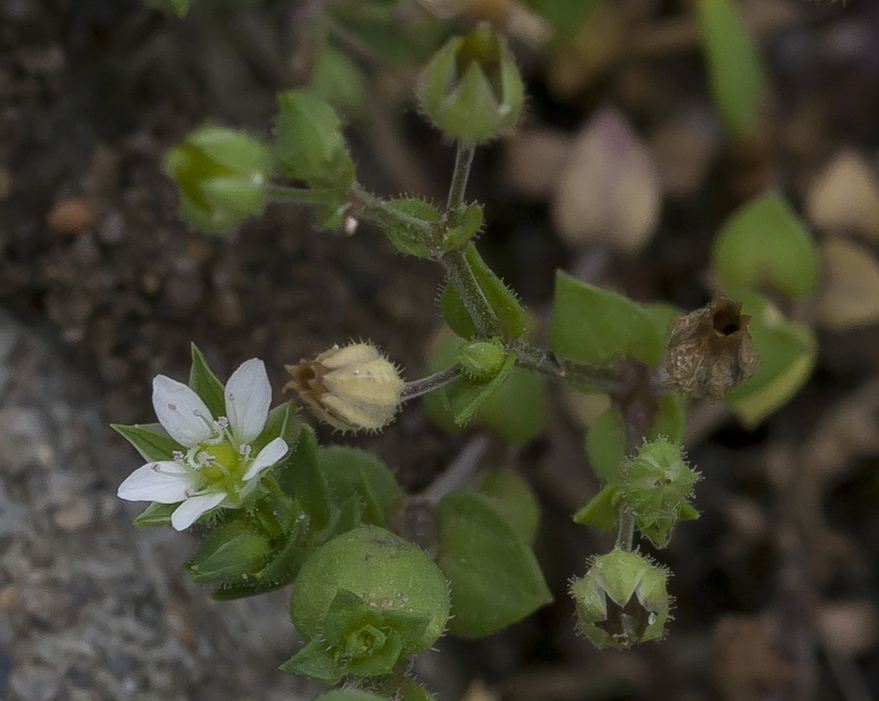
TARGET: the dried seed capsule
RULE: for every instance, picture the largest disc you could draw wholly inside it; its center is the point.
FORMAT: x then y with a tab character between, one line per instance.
710	350
622	600
351	388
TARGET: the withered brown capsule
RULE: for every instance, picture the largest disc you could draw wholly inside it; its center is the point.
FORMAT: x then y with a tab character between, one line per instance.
710	350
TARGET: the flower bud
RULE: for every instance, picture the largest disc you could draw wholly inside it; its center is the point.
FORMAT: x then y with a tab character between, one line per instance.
482	360
710	350
622	600
221	177
363	601
655	484
472	89
351	388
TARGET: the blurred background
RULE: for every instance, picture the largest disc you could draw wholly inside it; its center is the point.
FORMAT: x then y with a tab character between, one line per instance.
621	171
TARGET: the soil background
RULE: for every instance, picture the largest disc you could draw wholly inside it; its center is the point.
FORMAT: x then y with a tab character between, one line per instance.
102	286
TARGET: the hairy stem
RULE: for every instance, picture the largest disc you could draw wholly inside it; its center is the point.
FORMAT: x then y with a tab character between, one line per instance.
538	360
461	275
423	385
372	209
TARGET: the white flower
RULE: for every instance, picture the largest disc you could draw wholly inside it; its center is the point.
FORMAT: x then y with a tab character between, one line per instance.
217	468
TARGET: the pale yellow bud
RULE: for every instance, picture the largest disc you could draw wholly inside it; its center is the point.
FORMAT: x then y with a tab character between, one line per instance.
351	388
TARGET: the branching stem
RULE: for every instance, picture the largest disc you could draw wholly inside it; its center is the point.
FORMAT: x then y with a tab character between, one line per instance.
423	385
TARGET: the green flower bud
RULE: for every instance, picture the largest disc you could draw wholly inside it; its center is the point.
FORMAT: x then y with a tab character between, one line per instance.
351	388
622	600
482	360
229	552
221	177
309	144
655	484
363	601
471	89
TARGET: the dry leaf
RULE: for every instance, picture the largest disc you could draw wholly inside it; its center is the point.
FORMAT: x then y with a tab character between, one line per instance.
609	190
845	196
850	293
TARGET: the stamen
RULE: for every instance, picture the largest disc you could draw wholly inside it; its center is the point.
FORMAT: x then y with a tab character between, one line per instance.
177	455
244	449
222	422
154	467
172	407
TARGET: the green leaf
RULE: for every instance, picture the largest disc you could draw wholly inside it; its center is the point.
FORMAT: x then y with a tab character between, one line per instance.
409	240
593	325
351	695
175	7
522	389
281	423
494	575
466	395
670	419
339	81
606	444
350	472
156	515
764	243
410	691
301	478
471	222
602	511
228	552
514	499
736	73
786	354
316	662
206	385
500	298
151	444
309	142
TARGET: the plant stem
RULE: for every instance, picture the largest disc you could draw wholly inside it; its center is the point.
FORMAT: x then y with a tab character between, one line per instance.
461	275
372	209
416	388
463	161
538	360
297	195
626	532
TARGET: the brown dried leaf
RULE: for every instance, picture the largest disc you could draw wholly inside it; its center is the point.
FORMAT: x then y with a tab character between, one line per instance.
845	196
850	293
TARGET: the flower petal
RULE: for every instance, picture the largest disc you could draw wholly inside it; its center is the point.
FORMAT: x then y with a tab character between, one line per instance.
267	457
181	411
163	482
189	511
248	396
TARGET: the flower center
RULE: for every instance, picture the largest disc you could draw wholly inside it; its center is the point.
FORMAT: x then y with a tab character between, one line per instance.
221	462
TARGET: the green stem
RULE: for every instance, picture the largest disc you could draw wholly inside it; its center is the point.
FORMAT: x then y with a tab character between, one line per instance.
538	360
626	532
372	209
455	205
461	275
297	195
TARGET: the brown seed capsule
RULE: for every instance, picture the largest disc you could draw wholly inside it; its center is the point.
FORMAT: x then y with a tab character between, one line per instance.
710	350
351	388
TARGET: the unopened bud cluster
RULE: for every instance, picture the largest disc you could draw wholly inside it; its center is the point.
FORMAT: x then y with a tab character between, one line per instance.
352	388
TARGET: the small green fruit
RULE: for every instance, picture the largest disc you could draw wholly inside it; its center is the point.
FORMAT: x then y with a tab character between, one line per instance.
387	573
622	600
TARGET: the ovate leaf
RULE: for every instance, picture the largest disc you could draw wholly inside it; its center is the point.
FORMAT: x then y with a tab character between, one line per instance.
593	325
764	243
736	73
494	576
